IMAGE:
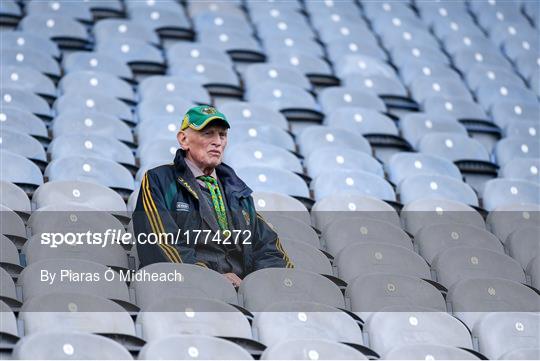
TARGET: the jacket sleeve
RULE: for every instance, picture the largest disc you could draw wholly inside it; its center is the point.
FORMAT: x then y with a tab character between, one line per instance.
267	248
152	216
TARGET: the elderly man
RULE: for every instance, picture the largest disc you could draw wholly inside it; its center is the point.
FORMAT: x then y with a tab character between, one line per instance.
203	211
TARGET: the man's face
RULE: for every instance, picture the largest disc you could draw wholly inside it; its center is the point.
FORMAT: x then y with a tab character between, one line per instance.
205	147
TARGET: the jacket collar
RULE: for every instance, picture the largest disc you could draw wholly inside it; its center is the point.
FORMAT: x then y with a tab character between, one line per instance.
232	184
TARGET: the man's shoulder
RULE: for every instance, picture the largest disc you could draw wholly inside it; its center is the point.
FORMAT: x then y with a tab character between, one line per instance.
161	172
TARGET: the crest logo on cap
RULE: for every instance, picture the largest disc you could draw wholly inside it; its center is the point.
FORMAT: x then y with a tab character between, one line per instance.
208	110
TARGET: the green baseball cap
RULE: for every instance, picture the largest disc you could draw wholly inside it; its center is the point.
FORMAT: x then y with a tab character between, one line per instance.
200	116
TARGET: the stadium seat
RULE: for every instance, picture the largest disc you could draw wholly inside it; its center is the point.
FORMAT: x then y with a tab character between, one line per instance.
470	299
168	86
309	349
415	126
96	81
249	112
305	320
334	158
436	238
420	352
424	212
533	271
265	287
260	154
365	65
505	113
290	225
21	40
192	315
138	54
268	179
9	257
87	101
458	263
192	346
69	345
279	203
505	219
122	29
508	149
522	244
501	192
35	59
23	121
318	137
197	281
352	181
374	292
404	165
8	326
361	120
488	95
257	74
454	147
64	31
25	99
22	144
281	96
522	169
248	131
379	258
22	171
335	97
24	78
399	326
306	257
436	187
183	50
501	332
92	61
14	198
453	107
77	11
13	226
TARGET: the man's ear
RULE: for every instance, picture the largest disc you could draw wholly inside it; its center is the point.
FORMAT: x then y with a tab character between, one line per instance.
182	139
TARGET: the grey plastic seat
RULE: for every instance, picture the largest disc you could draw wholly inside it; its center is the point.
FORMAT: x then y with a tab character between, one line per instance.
185	346
327	210
481	75
230	40
305	320
506	112
122	29
56	27
436	238
317	137
523	169
77	11
423	88
171	105
420	352
533	271
92	61
507	218
336	158
66	345
347	230
502	192
453	147
22	144
8	294
197	281
276	203
405	164
436	187
75	312
457	23
502	31
35	59
14	198
363	120
458	263
374	292
520	128
167	21
289	225
205	71
261	154
488	95
192	315
168	5
280	97
249	112
523	245
265	287
9	257
527	65
398	326
91	146
13	226
338	48
456	42
78	192
270	26
92	123
404	54
309	349
306	257
30	280
197	50
24	78
276	42
345	30
466	59
96	81
160	86
305	62
22	121
424	212
155	152
415	126
499	333
335	97
9	322
410	36
378	84
22	40
361	259
256	74
453	107
131	51
515	48
96	170
248	131
159	127
25	100
352	181
22	171
510	148
94	101
365	65
262	178
414	70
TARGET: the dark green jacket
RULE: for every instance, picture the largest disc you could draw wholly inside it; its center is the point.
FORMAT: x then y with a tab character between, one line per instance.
170	203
